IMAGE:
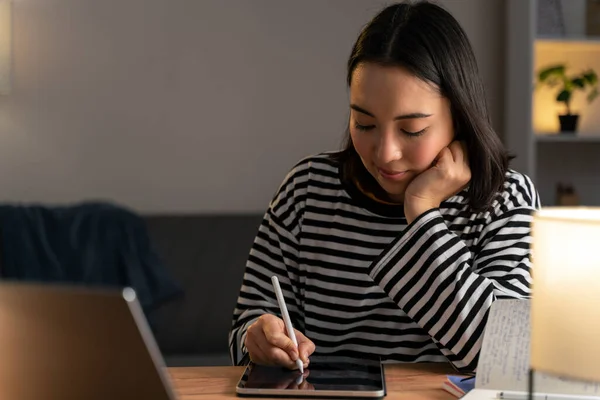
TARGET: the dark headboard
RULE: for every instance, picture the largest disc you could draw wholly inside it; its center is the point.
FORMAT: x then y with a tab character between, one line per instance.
207	255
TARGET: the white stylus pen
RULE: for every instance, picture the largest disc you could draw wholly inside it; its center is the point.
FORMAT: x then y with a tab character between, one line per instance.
286	319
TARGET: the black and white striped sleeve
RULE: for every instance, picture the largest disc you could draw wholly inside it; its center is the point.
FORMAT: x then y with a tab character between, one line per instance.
431	274
274	252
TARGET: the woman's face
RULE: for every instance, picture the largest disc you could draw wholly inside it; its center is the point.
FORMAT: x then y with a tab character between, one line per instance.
398	124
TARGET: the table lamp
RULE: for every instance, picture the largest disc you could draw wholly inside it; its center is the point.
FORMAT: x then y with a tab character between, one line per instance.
565	305
5	45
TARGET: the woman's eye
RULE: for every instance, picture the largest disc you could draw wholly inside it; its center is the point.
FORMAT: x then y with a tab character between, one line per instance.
363	127
414	134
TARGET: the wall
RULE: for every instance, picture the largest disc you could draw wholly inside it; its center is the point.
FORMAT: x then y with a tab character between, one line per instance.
186	105
574	17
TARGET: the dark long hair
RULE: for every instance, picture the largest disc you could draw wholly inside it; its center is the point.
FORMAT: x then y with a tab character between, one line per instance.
425	39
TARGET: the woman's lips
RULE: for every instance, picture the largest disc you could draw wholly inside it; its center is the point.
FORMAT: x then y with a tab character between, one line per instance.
392	175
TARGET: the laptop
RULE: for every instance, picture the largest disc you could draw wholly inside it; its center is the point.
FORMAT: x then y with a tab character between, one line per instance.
63	342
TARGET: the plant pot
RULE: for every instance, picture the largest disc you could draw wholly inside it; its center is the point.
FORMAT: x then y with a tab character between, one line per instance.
568	123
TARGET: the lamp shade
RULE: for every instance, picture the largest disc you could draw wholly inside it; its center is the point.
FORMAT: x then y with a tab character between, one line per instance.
565	307
5	46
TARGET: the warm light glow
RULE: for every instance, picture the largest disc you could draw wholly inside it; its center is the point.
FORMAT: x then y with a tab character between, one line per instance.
5	46
565	308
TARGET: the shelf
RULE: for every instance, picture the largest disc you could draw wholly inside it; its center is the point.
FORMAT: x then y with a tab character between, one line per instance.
567	138
569	39
568	43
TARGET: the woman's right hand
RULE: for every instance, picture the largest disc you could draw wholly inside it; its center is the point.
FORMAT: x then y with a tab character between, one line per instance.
268	343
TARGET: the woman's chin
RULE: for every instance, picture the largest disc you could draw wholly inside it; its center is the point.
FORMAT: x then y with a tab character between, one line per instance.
394	192
396	197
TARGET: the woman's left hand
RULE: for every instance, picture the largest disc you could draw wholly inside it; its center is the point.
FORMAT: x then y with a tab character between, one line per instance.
448	176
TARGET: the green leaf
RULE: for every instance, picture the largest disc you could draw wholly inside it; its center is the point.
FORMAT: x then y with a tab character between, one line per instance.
558	70
553	82
591	77
564	96
578	82
568	85
592	95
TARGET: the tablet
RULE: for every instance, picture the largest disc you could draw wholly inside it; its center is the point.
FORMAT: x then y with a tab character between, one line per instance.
326	376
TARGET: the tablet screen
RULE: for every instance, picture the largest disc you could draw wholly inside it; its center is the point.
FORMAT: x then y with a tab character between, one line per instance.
324	376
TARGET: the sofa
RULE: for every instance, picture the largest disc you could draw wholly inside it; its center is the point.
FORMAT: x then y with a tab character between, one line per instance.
206	254
187	269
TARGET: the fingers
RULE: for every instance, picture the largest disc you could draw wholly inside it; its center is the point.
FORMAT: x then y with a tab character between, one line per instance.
305	347
295	382
462	158
462	170
276	336
305	385
268	344
453	163
457	151
277	356
251	342
300	383
444	158
272	355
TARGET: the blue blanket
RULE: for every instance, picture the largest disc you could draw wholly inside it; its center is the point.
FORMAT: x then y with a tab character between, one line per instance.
95	244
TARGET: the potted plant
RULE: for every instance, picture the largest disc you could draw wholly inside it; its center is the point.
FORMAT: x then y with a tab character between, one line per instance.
555	77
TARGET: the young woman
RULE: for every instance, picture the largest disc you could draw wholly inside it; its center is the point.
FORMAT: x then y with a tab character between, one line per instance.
396	246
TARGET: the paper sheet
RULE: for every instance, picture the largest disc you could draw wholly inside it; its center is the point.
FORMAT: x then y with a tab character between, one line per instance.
504	358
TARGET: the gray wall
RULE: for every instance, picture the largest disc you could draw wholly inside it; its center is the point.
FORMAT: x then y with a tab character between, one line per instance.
187	105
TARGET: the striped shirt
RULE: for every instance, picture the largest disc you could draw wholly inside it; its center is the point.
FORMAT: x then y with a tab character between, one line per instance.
361	282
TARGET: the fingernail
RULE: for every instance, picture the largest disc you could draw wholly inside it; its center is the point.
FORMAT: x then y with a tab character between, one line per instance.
305	357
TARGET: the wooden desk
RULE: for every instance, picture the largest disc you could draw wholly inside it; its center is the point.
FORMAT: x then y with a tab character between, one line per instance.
404	381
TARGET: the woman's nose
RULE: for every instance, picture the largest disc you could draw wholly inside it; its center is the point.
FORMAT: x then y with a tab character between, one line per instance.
389	148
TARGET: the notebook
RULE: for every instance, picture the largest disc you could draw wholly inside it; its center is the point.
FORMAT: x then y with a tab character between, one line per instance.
503	364
458	385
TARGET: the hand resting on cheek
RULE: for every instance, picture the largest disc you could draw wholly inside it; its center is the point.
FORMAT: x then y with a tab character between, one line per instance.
449	174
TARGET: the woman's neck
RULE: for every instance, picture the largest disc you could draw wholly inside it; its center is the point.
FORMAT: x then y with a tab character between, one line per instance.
373	196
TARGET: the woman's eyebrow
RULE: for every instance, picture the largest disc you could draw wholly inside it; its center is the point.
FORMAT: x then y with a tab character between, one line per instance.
403	116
